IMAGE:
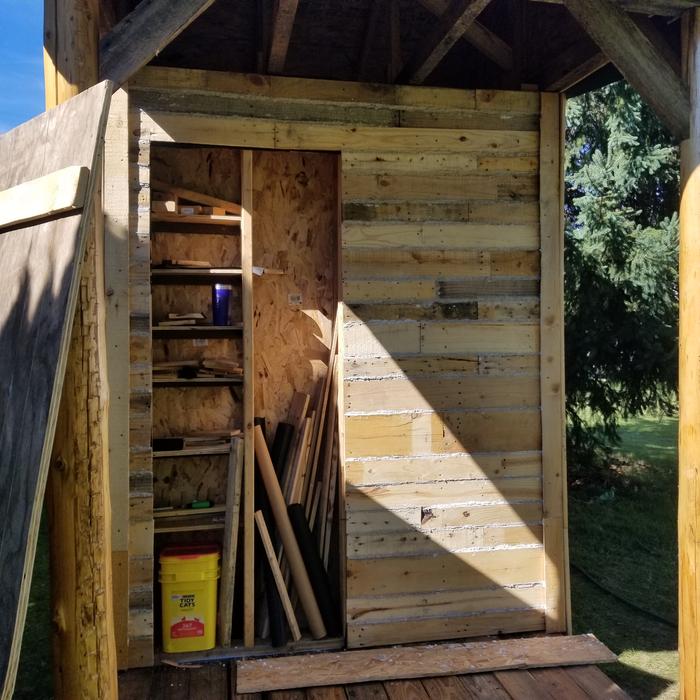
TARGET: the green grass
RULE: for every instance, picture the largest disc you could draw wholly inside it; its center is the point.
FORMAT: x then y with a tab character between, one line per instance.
34	675
626	542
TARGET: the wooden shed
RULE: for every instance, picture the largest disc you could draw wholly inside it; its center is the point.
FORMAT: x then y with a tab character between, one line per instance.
375	191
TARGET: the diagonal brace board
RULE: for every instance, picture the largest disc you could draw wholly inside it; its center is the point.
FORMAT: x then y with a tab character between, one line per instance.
39	282
143	34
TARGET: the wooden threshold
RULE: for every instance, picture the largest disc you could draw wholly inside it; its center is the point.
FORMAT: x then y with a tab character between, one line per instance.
431	660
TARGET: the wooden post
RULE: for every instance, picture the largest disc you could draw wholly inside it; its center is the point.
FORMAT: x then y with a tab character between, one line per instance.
77	494
689	378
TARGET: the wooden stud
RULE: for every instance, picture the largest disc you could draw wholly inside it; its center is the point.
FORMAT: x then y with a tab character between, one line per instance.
143	34
277	575
451	25
234	480
552	363
688	377
248	398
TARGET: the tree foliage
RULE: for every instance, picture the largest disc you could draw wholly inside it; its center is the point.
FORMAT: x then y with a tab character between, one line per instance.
621	291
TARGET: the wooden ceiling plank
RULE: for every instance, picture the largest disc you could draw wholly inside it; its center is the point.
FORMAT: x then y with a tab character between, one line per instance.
479	36
395	60
637	58
144	33
282	25
449	28
659	40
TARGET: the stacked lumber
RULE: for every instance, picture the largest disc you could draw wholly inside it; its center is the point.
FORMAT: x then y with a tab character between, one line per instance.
295	519
194	369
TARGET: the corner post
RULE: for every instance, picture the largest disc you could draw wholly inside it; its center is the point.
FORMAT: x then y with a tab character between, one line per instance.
689	376
77	495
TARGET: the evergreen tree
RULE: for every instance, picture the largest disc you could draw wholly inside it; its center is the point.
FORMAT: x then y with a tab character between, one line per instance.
621	294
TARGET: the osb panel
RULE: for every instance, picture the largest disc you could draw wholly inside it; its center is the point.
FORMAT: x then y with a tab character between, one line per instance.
294	229
179	481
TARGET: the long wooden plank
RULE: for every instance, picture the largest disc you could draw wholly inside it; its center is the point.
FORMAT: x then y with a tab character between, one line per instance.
418	661
454	627
407	434
456	19
143	33
552	364
46	196
248	398
277	575
41	266
191	195
637	58
234	481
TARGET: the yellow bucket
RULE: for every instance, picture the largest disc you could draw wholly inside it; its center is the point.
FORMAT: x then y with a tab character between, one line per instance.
188	577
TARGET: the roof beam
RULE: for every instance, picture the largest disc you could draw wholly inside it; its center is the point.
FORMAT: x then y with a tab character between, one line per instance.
637	58
375	13
669	8
144	33
282	24
572	66
479	36
449	28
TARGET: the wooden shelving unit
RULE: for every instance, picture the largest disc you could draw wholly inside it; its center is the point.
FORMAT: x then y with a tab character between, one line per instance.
220	518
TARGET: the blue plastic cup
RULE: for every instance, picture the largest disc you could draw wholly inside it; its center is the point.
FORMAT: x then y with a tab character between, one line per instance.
221	304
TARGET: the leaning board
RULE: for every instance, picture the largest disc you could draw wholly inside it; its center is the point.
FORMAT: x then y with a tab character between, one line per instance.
39	274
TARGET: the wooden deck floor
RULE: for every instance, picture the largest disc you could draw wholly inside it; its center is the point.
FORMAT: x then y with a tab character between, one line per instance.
217	682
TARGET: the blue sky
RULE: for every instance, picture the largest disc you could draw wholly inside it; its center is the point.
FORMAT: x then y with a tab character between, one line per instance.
21	61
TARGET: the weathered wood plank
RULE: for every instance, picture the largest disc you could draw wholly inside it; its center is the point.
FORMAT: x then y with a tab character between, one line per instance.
439	394
143	33
476	465
405	434
282	25
455	627
418	661
40	285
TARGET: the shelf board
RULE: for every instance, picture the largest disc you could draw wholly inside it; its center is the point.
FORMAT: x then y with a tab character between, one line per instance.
198	521
193	275
187	512
196	381
197	331
193	452
205	219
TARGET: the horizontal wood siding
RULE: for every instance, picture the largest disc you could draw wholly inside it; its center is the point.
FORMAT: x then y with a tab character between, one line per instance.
440	345
440	275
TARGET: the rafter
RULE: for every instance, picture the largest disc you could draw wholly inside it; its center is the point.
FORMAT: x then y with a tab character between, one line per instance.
282	24
144	33
375	13
395	62
670	8
479	36
449	28
571	66
638	59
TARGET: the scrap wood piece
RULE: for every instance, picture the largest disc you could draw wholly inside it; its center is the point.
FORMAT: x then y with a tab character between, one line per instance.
345	667
277	576
199	197
234	481
284	527
46	196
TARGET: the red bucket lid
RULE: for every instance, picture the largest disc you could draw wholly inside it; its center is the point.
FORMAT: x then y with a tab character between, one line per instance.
190	551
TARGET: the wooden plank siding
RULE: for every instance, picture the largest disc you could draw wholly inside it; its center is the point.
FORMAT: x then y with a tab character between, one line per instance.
440	269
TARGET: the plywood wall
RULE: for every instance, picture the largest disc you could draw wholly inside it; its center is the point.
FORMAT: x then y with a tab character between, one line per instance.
443	209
